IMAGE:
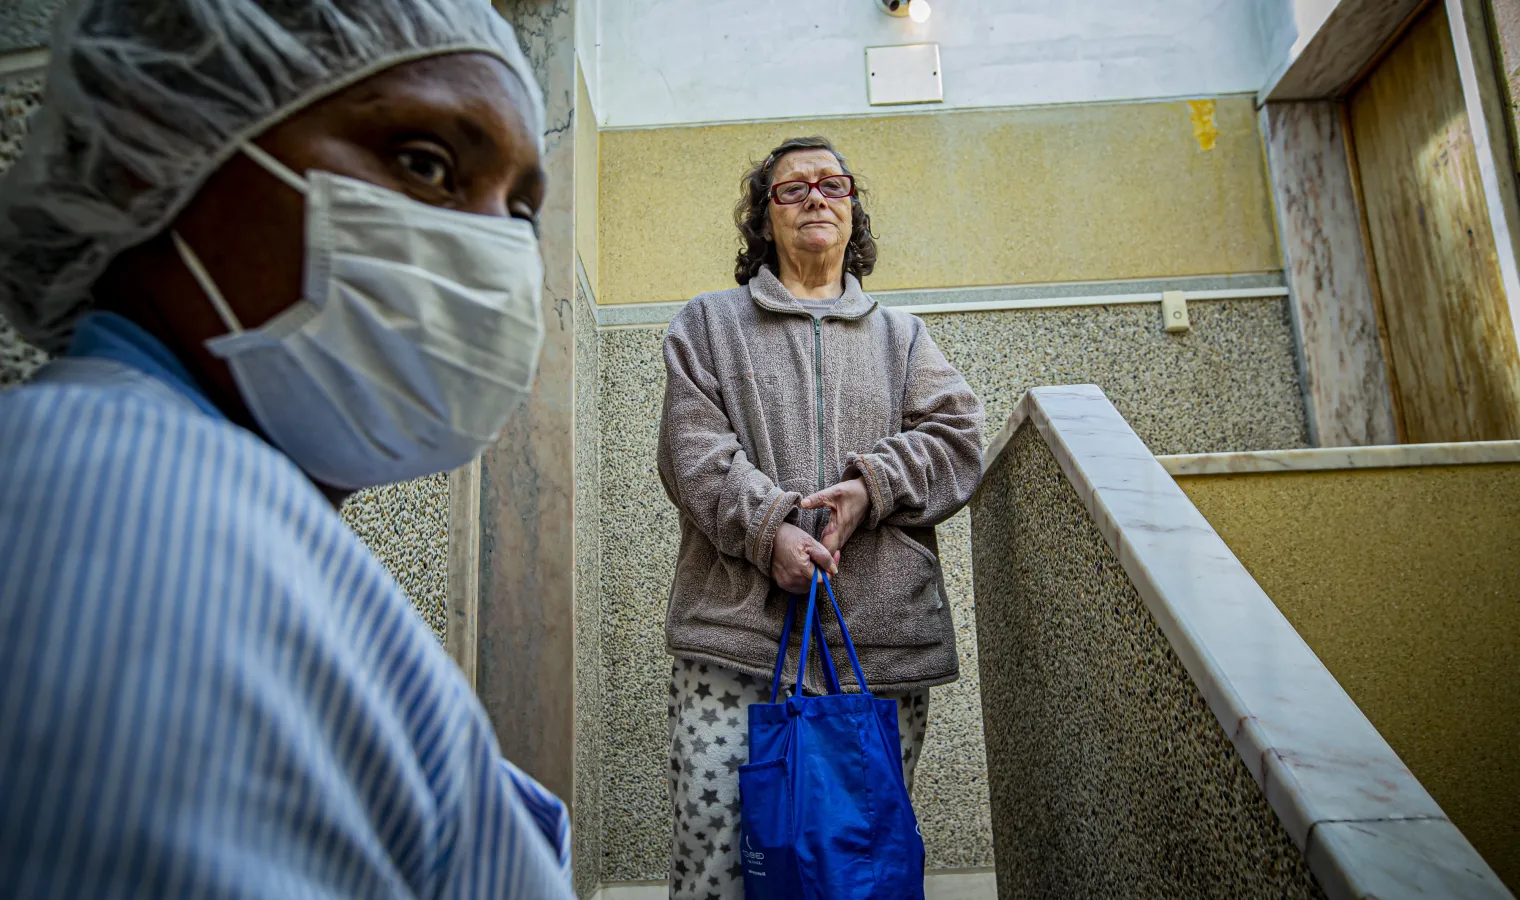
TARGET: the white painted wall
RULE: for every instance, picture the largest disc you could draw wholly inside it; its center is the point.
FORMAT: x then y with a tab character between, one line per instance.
1286	26
683	61
586	20
1274	21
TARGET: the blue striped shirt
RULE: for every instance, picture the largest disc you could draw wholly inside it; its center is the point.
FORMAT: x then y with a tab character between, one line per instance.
208	686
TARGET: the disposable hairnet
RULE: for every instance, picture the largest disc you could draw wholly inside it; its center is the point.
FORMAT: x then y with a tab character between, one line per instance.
147	98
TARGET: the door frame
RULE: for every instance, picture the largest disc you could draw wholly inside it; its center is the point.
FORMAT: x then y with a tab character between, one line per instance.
1325	67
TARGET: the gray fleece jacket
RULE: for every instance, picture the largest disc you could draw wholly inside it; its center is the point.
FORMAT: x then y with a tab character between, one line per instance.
763	407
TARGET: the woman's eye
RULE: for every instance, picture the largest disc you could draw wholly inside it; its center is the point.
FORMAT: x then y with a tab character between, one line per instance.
429	167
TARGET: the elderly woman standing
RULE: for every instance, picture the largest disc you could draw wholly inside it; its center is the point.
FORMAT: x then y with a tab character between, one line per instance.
803	426
284	250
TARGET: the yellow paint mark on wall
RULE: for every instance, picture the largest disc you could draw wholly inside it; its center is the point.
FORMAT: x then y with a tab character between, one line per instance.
1204	129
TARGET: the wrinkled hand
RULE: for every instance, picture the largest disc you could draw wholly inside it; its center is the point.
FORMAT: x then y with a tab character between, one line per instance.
848	503
793	559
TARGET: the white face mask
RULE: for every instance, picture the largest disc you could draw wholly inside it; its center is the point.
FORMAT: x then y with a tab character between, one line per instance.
417	335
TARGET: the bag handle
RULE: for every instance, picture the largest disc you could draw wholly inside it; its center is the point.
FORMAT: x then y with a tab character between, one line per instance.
813	624
830	675
844	630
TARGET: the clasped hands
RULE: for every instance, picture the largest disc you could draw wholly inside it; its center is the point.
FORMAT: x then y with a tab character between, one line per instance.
796	553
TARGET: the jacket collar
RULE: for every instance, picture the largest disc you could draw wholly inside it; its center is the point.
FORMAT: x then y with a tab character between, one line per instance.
108	336
769	293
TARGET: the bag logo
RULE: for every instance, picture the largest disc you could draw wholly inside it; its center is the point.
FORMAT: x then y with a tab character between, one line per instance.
751	854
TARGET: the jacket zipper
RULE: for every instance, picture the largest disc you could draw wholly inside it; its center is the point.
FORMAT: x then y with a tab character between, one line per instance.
818	382
818	387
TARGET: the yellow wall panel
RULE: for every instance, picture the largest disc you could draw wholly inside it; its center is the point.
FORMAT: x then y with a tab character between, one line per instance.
1404	582
1068	193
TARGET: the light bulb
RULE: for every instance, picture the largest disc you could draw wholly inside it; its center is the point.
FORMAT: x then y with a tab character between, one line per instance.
918	10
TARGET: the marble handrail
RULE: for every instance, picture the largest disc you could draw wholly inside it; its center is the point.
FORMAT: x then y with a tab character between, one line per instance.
1365	824
1330	458
22	62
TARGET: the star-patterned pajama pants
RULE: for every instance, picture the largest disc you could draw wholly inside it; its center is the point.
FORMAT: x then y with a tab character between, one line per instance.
709	741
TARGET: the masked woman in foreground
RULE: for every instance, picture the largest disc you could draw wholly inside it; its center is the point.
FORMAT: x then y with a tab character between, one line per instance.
284	250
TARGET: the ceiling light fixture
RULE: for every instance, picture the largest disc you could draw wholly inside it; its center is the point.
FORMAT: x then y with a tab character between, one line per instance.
917	10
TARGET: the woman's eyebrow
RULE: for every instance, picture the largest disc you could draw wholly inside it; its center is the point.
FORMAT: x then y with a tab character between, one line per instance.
474	135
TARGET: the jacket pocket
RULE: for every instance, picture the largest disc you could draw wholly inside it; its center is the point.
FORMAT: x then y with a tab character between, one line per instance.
767	834
889	587
913	545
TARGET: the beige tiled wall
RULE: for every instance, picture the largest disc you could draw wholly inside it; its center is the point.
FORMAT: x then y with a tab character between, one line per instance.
1069	193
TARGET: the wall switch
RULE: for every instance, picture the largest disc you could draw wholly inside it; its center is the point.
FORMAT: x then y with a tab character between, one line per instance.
907	73
1174	311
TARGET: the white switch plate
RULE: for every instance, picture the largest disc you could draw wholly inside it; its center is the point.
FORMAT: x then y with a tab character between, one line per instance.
1174	311
906	73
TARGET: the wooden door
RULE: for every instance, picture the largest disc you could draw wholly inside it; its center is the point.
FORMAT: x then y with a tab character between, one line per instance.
1451	345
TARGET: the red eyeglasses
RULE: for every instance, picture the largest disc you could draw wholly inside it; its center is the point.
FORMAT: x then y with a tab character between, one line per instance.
834	187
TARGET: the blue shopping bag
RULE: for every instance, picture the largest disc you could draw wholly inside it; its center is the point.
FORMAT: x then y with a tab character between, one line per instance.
826	814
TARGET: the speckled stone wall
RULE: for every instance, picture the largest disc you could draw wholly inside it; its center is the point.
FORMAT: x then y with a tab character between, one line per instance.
1403	582
407	527
24	23
19	97
1110	775
1229	383
638	550
590	721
